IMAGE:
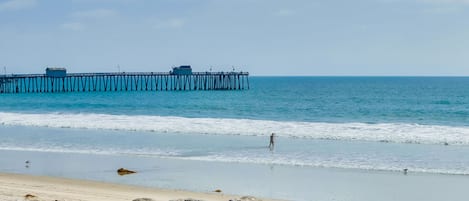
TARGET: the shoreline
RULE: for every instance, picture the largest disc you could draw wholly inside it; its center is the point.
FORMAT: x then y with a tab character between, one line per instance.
17	186
169	179
200	179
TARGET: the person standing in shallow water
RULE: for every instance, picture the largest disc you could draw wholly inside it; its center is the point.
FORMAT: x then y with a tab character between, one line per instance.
272	142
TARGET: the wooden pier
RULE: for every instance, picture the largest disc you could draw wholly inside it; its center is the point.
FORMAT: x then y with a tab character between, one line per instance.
137	81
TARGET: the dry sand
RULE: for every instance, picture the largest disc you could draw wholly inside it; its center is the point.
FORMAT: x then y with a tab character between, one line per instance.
15	187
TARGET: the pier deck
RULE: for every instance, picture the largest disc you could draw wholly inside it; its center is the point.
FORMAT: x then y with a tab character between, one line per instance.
123	81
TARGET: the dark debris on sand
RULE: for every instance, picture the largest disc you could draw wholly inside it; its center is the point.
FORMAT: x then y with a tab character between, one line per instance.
247	198
188	199
143	199
122	171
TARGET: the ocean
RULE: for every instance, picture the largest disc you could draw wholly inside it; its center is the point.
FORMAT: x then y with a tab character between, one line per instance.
359	123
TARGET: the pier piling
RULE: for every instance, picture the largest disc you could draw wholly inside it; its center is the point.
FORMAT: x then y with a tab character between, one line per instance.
138	81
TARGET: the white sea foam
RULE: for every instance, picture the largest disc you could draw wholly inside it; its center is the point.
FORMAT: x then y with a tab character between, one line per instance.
370	164
335	163
94	151
380	132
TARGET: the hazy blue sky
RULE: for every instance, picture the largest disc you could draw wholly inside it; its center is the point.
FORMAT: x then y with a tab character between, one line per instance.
264	37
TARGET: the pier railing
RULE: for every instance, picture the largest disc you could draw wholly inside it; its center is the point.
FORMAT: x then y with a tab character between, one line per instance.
123	81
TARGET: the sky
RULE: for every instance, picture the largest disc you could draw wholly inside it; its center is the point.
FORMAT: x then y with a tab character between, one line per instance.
263	37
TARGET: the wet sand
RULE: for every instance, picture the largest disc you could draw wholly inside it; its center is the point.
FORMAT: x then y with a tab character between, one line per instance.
203	177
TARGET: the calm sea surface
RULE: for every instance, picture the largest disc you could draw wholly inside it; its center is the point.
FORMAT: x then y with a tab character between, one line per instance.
372	123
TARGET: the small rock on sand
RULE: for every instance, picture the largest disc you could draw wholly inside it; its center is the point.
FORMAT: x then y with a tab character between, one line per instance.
30	197
188	199
247	198
143	199
217	191
122	171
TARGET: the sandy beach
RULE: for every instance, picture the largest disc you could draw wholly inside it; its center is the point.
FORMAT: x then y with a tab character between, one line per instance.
298	183
27	187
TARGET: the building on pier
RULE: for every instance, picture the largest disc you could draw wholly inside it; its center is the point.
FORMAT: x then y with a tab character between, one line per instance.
56	72
181	70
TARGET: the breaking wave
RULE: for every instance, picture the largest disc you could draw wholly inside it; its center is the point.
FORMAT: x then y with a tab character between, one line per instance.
379	132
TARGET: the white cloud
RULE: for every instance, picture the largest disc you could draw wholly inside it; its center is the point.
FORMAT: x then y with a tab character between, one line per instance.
74	26
176	23
170	23
285	12
94	14
443	10
444	6
17	4
445	1
80	18
103	1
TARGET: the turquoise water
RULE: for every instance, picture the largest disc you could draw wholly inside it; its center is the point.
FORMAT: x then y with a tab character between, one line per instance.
366	123
422	100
